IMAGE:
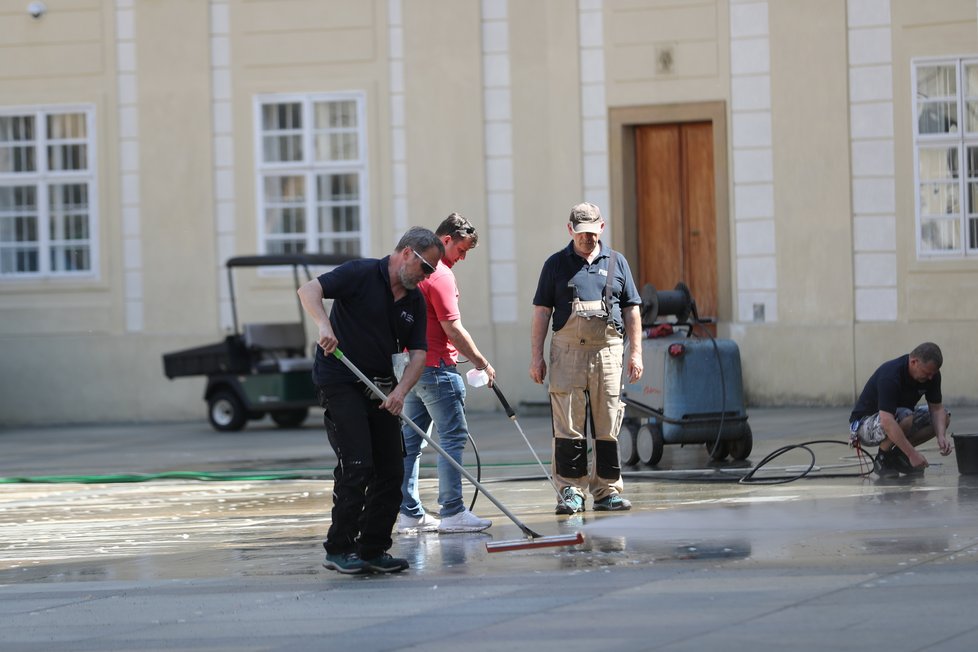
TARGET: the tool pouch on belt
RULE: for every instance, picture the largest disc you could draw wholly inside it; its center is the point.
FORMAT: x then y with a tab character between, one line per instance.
589	309
384	383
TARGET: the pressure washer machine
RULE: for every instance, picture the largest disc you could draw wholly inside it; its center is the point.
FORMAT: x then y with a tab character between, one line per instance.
691	391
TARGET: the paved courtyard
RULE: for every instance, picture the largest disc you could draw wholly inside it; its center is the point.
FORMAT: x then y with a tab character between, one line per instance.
221	550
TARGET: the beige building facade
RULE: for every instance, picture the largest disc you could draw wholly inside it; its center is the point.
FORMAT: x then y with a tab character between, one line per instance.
808	167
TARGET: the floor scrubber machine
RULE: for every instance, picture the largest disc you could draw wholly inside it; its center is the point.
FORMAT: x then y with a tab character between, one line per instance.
691	391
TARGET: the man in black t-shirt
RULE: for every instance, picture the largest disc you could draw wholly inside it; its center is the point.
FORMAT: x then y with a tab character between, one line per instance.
886	413
377	312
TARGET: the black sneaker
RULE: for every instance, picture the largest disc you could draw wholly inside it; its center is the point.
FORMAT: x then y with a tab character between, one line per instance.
386	564
893	462
884	467
348	563
612	503
903	463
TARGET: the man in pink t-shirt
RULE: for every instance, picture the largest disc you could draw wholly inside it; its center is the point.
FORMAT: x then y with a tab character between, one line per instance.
439	396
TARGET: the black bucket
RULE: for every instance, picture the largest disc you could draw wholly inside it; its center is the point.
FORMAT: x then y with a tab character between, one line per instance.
966	450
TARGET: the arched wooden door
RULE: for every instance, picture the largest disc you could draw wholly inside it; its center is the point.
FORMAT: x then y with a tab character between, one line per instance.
676	210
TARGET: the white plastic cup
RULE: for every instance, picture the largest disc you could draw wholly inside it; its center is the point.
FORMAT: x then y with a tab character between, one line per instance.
477	377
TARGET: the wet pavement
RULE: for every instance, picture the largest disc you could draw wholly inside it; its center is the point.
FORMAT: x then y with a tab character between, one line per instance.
225	558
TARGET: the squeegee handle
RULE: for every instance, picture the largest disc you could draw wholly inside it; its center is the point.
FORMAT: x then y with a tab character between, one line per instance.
510	412
438	449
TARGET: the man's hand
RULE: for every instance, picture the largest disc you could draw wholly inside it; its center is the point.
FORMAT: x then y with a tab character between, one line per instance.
538	370
635	366
395	402
538	335
327	340
490	372
940	418
917	460
311	298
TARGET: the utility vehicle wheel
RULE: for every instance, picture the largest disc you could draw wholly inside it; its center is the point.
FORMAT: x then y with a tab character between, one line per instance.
740	448
225	411
649	443
720	453
627	450
289	418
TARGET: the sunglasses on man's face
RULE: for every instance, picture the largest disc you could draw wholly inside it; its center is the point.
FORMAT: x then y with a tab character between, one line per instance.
425	265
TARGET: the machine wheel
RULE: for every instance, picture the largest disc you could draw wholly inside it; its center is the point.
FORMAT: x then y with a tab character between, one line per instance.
226	412
649	443
289	418
627	450
720	453
740	448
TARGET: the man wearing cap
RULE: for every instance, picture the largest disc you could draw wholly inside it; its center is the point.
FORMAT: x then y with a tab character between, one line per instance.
589	292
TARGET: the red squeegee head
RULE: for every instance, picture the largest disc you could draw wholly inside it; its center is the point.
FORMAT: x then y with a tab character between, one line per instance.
537	542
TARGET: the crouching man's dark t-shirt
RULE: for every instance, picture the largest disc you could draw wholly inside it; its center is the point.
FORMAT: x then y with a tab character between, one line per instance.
891	387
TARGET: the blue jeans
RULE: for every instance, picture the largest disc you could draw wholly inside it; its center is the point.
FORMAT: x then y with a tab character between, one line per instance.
439	397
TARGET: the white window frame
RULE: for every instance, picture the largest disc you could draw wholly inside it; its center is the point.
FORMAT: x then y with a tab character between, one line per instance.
960	140
310	168
42	178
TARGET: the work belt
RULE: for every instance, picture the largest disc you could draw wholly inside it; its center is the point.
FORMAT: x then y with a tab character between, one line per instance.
386	384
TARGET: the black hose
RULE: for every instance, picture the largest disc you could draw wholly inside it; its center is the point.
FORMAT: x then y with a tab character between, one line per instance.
749	477
478	471
719	475
723	381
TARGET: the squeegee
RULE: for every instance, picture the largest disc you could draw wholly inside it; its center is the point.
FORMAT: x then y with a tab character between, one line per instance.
532	540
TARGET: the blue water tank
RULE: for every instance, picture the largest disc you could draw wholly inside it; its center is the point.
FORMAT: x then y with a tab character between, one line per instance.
694	387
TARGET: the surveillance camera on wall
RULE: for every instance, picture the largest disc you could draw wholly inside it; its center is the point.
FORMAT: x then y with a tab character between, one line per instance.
36	9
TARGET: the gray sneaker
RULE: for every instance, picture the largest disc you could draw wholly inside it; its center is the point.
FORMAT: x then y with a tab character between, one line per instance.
464	521
571	503
411	525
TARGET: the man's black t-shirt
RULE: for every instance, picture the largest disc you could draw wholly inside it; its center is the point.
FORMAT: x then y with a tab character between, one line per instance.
365	319
565	273
891	387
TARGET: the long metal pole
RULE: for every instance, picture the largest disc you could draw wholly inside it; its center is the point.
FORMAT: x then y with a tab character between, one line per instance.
438	449
511	413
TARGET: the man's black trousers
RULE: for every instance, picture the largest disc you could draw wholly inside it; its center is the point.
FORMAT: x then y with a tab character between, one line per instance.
369	470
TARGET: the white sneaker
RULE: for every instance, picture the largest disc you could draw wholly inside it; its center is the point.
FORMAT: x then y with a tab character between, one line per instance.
464	521
410	525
